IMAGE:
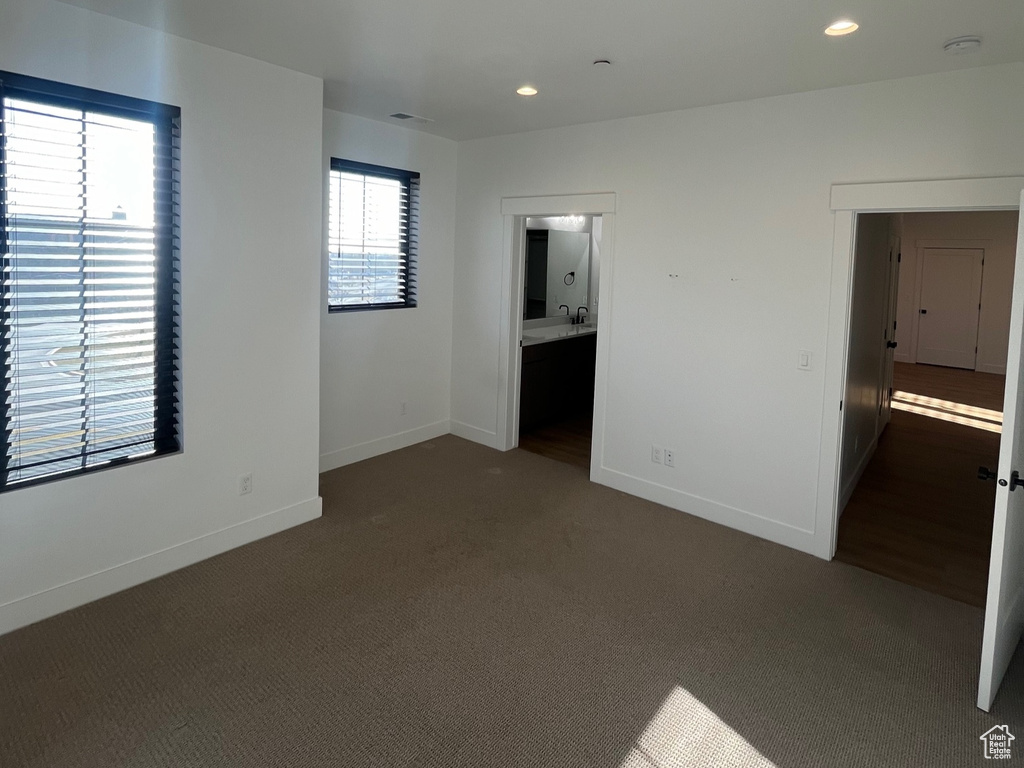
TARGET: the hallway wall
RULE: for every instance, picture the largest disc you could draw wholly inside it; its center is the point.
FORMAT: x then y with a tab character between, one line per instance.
864	380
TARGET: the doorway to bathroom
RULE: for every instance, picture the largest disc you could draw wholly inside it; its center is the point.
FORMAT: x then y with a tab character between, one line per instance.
559	336
555	321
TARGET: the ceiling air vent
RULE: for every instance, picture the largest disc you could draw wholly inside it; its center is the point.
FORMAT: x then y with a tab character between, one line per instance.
965	44
414	118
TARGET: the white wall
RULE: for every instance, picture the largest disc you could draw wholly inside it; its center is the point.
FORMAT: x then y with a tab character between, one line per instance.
735	200
865	371
373	361
996	232
250	224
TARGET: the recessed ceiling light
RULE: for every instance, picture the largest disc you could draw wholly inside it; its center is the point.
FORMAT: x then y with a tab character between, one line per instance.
527	90
841	27
965	44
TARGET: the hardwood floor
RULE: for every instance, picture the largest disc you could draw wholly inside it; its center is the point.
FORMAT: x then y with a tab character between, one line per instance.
919	514
567	441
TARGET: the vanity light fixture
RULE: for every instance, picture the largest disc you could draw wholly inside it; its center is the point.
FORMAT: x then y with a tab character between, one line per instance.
573	221
526	90
841	27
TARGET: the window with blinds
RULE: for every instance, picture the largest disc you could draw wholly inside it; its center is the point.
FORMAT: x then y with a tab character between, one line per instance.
89	302
373	229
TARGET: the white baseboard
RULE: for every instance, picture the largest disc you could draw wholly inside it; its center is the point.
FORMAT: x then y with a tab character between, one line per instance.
847	490
380	446
731	517
475	434
989	368
42	605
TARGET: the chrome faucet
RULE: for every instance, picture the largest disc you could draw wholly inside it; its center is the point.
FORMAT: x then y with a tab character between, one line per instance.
579	319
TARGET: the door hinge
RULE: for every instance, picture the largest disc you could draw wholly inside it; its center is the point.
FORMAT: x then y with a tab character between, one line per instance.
840	405
890	393
899	257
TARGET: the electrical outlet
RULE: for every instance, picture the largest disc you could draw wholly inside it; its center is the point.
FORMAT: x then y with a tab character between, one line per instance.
403	409
670	457
656	454
245	484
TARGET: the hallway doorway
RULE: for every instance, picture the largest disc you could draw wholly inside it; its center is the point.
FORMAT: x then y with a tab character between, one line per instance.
866	341
924	396
918	514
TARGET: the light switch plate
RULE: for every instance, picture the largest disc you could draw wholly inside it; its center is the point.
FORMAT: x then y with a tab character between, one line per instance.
804	360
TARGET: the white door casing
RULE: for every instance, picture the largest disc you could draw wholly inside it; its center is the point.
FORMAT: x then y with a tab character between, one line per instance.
949	306
515	210
994	193
1004	608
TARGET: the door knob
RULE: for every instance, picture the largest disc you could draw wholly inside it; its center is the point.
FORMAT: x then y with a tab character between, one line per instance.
924	311
1015	480
891	344
984	473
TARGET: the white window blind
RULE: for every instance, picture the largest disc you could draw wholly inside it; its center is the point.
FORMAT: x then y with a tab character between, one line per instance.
88	314
372	236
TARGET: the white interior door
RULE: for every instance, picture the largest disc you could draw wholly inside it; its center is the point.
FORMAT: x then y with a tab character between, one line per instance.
950	306
1004	608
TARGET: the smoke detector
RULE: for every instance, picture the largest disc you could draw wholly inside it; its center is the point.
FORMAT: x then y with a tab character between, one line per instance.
965	44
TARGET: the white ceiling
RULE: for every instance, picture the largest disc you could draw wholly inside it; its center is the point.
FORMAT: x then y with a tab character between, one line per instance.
459	62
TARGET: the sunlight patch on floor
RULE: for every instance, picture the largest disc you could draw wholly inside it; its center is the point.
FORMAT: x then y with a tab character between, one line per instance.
947	410
686	734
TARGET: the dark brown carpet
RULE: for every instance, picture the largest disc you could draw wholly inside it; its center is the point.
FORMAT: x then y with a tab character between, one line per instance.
461	607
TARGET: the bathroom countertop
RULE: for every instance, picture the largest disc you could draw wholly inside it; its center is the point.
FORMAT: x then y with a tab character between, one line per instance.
555	333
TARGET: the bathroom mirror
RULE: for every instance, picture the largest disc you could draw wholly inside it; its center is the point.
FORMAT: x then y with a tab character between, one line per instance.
557	266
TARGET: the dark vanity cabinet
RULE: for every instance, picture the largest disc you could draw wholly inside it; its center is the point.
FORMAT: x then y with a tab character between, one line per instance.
557	381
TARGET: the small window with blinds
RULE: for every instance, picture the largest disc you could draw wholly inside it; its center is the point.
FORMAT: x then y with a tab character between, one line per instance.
89	303
373	229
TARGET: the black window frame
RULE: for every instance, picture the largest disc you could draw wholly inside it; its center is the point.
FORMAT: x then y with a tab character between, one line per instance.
410	215
166	121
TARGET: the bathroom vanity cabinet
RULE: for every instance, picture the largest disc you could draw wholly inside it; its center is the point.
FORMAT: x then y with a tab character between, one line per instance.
557	381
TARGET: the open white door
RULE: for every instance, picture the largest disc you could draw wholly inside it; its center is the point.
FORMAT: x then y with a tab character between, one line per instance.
1004	608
